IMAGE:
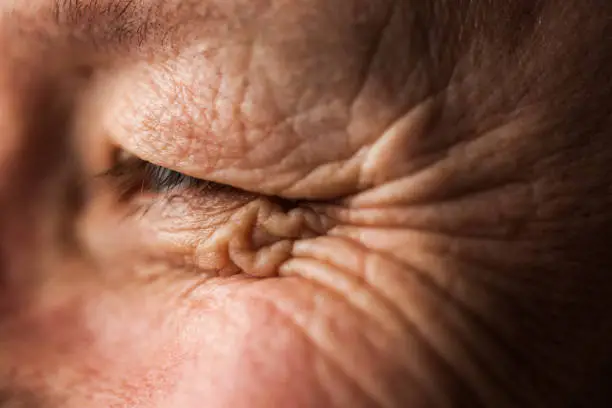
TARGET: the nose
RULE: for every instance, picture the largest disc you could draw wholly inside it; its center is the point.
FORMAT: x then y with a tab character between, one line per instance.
37	175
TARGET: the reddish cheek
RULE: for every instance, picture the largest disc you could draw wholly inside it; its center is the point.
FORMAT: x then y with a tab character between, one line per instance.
136	351
80	354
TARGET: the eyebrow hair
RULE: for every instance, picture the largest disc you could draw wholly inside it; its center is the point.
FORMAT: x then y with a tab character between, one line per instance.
105	23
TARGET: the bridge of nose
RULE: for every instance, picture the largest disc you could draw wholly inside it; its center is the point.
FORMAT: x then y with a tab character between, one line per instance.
39	192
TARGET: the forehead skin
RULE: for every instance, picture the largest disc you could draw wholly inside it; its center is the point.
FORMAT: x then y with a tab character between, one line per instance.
298	88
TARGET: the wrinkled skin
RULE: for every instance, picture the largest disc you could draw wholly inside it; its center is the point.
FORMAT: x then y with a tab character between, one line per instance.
418	211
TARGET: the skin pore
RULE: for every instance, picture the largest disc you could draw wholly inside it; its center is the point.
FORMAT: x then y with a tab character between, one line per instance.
305	203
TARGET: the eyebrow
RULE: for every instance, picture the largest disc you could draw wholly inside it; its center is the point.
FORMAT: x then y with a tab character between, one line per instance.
112	23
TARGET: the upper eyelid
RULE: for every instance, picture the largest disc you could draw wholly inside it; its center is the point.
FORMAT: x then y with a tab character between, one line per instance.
131	173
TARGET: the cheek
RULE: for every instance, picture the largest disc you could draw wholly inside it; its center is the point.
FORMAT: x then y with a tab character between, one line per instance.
148	347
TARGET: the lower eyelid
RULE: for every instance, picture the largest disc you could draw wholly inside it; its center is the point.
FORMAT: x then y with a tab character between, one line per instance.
241	237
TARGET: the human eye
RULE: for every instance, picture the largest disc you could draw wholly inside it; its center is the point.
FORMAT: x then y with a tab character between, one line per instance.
211	228
130	175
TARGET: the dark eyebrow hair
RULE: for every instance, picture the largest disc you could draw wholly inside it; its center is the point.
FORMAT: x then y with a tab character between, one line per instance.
109	23
124	25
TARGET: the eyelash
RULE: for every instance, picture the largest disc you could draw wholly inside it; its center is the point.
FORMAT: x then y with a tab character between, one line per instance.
133	176
163	180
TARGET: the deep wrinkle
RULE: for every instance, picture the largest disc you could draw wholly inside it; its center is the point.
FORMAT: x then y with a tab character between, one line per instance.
477	243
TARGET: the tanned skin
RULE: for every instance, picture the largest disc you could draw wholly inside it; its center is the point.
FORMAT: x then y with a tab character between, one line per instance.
305	203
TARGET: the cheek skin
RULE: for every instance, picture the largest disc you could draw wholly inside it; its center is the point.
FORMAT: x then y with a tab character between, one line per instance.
112	348
149	348
236	342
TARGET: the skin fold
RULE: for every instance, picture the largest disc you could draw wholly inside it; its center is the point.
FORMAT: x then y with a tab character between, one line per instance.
402	203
